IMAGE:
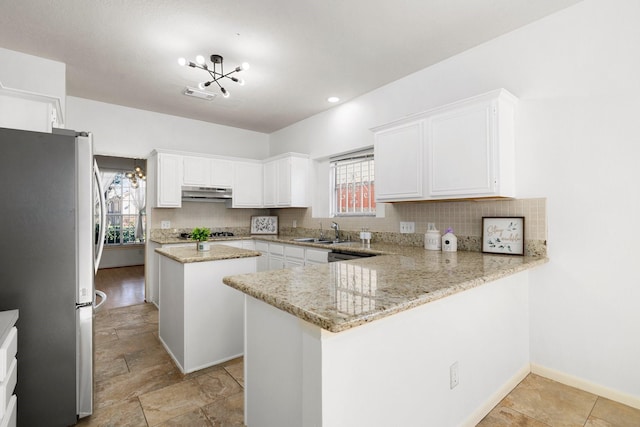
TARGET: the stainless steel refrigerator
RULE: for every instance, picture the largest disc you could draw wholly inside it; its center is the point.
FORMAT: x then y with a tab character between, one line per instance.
47	201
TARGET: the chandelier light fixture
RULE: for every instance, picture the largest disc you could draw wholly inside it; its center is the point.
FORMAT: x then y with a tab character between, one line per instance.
135	175
216	75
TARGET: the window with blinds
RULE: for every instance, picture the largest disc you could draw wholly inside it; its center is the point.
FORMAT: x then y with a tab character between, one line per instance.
353	184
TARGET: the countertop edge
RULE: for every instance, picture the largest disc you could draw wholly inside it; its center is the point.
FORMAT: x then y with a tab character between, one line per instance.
337	326
208	256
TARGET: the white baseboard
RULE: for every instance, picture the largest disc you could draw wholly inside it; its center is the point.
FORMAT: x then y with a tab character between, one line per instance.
496	397
582	384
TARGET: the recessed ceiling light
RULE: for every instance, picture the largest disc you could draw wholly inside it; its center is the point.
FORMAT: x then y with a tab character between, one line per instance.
333	99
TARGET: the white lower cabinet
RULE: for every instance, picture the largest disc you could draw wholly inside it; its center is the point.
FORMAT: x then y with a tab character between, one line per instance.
276	256
316	256
262	263
201	320
293	256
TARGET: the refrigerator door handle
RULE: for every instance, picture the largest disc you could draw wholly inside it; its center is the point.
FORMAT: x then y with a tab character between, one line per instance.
84	361
103	297
103	216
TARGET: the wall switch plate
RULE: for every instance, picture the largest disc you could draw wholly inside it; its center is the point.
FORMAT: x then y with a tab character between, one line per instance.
454	379
165	225
407	227
295	223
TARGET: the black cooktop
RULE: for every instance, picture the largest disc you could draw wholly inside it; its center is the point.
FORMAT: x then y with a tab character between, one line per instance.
213	234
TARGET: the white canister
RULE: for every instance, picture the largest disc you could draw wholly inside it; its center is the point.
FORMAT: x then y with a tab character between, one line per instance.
449	241
432	239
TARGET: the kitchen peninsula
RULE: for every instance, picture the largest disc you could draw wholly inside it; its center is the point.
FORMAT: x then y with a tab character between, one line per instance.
415	338
201	320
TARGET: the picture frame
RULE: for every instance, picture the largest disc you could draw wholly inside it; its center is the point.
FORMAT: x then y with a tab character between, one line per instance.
503	235
264	225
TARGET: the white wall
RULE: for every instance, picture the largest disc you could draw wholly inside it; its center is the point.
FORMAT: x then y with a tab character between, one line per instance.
577	76
33	74
129	132
122	256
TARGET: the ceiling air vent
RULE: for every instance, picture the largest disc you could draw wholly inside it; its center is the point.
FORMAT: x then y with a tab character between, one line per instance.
197	93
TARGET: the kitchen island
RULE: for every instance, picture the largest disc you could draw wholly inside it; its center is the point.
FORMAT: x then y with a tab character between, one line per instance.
201	321
418	338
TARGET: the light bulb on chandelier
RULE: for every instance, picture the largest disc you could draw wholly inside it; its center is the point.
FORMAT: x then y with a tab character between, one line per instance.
216	61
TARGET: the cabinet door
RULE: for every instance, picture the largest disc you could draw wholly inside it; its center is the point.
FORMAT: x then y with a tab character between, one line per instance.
247	185
399	156
270	183
316	256
299	181
169	181
221	173
283	182
196	171
276	262
290	263
461	145
262	263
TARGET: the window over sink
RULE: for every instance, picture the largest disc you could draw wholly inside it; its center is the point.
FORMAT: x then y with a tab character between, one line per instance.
353	184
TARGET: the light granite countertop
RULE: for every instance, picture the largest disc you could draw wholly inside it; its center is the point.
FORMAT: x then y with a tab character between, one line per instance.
342	295
374	248
186	255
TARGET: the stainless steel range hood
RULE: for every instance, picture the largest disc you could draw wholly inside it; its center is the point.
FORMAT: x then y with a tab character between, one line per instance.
205	194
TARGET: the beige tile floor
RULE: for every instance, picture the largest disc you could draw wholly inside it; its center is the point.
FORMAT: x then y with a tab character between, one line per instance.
137	384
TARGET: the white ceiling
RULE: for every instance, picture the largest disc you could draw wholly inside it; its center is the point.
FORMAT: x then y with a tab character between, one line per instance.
301	51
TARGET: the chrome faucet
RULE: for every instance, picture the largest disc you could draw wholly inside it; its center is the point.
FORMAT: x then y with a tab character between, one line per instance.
336	227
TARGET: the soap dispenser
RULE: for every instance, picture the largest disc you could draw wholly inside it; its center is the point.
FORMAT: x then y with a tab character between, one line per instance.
432	240
449	241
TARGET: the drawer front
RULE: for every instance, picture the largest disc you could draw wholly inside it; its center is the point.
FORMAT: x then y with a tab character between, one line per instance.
8	351
262	246
7	386
294	252
10	417
317	256
248	244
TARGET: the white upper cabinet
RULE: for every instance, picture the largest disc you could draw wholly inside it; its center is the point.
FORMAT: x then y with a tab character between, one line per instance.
461	150
167	177
247	185
221	173
196	171
398	154
207	172
281	181
269	184
470	148
286	181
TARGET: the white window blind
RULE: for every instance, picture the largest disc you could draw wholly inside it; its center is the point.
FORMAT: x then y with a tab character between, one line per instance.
353	184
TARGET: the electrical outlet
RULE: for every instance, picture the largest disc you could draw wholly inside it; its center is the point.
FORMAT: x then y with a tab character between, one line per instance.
295	223
454	379
407	227
165	225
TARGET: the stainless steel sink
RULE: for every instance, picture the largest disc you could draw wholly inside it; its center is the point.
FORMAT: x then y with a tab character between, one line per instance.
321	241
